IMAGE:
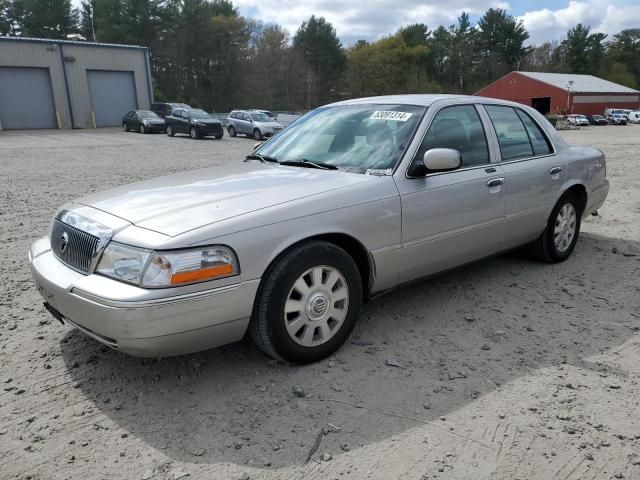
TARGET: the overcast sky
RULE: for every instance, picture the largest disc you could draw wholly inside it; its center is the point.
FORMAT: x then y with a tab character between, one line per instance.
372	19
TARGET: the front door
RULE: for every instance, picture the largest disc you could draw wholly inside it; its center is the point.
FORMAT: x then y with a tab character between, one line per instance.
450	218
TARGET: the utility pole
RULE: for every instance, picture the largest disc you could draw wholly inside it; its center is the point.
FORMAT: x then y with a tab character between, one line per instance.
93	28
309	89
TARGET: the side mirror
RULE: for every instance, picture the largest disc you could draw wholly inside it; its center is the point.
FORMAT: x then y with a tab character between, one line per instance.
255	147
441	159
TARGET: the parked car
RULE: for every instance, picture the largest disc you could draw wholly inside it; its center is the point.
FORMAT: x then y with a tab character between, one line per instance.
634	117
579	120
194	122
353	199
617	119
597	120
144	121
253	123
164	109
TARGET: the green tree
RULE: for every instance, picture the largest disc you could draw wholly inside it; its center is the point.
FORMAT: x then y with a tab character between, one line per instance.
45	18
317	41
6	19
624	49
500	43
583	51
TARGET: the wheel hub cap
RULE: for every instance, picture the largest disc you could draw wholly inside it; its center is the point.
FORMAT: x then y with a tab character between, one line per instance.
316	306
565	227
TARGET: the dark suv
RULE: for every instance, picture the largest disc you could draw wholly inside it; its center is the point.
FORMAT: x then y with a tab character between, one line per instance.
194	122
164	109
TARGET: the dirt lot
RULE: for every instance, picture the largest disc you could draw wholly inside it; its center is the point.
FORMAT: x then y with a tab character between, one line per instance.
509	369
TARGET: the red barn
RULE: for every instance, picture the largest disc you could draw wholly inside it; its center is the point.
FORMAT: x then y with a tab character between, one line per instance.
562	92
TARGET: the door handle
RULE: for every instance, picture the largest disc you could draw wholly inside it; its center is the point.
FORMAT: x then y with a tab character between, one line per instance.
495	182
555	170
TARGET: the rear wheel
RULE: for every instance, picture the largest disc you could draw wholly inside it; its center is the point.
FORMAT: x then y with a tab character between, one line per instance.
561	234
232	131
308	303
170	131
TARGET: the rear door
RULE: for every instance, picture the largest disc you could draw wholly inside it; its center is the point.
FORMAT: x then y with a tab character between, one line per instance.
450	218
533	172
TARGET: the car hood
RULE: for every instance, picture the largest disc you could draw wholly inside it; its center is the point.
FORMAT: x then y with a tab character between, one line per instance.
268	124
181	202
208	121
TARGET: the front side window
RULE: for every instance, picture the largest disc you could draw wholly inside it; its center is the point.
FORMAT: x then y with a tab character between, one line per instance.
354	138
459	128
512	136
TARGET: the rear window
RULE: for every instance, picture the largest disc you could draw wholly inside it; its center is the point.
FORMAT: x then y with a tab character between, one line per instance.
539	141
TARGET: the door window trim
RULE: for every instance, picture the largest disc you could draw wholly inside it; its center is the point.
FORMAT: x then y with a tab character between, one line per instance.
491	162
542	130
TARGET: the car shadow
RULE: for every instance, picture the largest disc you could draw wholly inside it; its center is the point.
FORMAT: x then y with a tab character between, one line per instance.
455	337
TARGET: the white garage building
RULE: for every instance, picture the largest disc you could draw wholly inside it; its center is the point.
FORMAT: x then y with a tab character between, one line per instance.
66	84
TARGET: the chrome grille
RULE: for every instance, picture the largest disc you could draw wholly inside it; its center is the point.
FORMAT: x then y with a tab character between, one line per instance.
72	246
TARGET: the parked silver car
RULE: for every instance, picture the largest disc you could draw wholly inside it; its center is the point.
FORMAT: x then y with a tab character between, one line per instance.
254	123
353	199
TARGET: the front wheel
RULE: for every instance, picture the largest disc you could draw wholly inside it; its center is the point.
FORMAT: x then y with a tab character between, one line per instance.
232	131
142	129
561	234
256	134
170	131
308	303
125	126
194	133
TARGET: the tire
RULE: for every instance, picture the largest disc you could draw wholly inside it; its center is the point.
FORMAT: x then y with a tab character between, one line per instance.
256	134
125	126
218	136
142	129
561	233
193	133
170	131
307	280
232	131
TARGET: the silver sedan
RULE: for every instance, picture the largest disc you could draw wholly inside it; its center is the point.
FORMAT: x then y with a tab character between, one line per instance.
353	199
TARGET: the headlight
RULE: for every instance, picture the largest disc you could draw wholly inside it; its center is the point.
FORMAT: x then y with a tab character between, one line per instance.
123	262
167	269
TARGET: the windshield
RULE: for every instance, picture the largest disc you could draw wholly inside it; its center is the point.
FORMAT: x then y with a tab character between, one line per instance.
354	138
260	117
199	114
147	114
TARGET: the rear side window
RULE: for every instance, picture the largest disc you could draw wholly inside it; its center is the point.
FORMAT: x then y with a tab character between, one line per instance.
512	136
539	140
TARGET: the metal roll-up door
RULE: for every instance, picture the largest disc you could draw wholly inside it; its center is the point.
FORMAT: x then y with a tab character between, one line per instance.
26	99
113	94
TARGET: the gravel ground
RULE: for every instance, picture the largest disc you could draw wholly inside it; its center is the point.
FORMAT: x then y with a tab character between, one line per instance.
507	368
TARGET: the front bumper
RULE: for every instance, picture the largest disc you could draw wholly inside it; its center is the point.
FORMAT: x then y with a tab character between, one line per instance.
209	130
160	326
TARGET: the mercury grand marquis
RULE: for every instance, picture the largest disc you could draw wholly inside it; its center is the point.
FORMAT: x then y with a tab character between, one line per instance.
353	199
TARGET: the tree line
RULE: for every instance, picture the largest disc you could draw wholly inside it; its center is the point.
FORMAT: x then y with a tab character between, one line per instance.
205	53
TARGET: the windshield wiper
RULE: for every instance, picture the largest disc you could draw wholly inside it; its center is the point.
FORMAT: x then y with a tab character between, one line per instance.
262	158
309	164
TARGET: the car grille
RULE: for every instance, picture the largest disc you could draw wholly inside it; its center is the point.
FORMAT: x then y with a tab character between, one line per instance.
72	246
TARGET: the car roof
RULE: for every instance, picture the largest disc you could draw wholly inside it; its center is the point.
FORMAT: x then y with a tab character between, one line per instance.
421	100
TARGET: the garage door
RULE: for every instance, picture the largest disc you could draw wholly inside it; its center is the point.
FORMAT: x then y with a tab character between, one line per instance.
26	99
113	94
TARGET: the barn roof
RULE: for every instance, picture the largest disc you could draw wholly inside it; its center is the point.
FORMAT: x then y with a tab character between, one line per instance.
581	83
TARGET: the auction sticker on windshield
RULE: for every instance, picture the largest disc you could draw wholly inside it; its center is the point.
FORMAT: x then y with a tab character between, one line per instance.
389	115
